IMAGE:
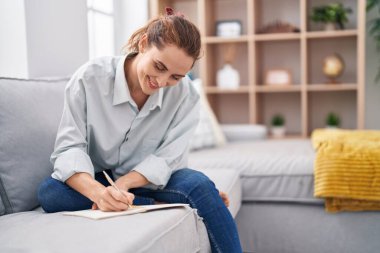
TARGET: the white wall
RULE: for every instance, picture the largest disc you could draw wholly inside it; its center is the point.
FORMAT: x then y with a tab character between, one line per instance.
372	93
41	38
57	36
129	16
13	47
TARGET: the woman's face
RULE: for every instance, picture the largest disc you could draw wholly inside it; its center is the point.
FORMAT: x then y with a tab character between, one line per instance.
161	68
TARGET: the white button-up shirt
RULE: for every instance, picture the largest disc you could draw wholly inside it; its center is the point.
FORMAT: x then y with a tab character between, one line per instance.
102	128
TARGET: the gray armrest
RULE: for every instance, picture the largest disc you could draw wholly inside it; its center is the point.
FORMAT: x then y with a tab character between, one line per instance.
244	132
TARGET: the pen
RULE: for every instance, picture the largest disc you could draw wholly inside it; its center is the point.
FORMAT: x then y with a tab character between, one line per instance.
109	179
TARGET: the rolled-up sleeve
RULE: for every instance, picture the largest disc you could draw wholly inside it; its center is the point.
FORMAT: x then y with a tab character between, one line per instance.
171	155
70	154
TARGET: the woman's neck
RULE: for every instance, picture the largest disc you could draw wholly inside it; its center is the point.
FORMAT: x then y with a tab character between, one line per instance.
130	72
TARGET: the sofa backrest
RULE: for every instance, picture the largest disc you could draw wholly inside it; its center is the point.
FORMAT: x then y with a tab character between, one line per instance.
30	112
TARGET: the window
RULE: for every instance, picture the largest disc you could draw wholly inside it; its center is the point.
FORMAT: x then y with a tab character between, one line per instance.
100	17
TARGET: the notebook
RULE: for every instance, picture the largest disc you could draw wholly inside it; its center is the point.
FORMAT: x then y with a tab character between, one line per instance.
97	214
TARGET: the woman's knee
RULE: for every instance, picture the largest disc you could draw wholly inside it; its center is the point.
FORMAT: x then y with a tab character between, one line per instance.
191	180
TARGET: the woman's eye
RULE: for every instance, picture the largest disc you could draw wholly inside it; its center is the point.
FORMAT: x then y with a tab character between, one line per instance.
175	78
159	68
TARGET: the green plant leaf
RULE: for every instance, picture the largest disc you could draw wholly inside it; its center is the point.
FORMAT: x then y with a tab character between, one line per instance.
278	120
334	13
332	119
371	4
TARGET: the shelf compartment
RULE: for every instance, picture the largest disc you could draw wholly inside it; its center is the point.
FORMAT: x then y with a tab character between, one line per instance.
230	108
269	11
286	104
352	18
221	11
319	49
278	55
342	103
216	59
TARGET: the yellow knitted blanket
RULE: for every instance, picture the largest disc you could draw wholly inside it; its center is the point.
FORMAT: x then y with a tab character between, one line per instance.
347	169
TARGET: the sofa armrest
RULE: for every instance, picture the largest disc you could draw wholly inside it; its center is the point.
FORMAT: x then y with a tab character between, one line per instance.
244	132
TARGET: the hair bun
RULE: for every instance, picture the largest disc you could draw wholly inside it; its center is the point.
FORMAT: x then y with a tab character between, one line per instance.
169	11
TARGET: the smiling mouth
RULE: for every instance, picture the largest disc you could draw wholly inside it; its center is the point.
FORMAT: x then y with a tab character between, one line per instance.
152	85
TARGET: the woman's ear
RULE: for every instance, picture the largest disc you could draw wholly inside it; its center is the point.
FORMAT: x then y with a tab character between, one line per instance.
143	43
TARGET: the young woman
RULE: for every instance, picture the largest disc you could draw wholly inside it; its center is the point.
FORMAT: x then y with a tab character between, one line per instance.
134	115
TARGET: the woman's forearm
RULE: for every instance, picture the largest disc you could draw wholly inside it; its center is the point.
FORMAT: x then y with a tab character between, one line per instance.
132	180
86	185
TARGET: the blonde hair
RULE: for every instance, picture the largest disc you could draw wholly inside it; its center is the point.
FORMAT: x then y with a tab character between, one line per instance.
172	29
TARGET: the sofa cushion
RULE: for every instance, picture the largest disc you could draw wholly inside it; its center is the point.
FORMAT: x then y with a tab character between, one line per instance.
244	132
2	208
172	230
228	181
208	132
271	170
30	111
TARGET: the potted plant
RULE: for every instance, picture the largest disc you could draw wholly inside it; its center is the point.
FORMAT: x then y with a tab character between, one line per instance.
332	120
374	27
331	15
278	126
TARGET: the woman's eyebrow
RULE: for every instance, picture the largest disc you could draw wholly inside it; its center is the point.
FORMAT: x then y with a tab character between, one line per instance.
163	65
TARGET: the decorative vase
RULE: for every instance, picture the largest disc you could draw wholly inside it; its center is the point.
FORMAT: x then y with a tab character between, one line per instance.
278	131
228	77
329	27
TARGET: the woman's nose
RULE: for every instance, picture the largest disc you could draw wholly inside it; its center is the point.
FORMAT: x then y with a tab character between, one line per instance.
162	81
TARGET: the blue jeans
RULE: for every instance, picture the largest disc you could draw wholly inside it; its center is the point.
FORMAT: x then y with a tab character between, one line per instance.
185	186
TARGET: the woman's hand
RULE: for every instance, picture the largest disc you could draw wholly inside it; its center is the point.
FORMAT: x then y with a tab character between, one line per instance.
225	198
110	199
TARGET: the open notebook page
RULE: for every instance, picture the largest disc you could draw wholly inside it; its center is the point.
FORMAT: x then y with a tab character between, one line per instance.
97	214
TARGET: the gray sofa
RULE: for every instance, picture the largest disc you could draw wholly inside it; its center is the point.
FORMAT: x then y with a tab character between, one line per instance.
30	112
270	183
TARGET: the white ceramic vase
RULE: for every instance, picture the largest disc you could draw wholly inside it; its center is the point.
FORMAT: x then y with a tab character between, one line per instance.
228	77
278	131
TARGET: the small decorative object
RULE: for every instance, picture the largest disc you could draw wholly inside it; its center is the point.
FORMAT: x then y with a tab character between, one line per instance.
279	27
333	67
278	77
332	120
228	28
332	14
228	77
278	126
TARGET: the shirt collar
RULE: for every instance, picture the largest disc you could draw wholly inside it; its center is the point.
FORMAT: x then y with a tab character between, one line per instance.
156	99
121	92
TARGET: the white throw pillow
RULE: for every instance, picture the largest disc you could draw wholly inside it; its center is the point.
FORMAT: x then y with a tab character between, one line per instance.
208	132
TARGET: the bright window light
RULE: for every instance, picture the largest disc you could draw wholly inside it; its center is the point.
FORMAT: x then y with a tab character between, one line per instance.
100	28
